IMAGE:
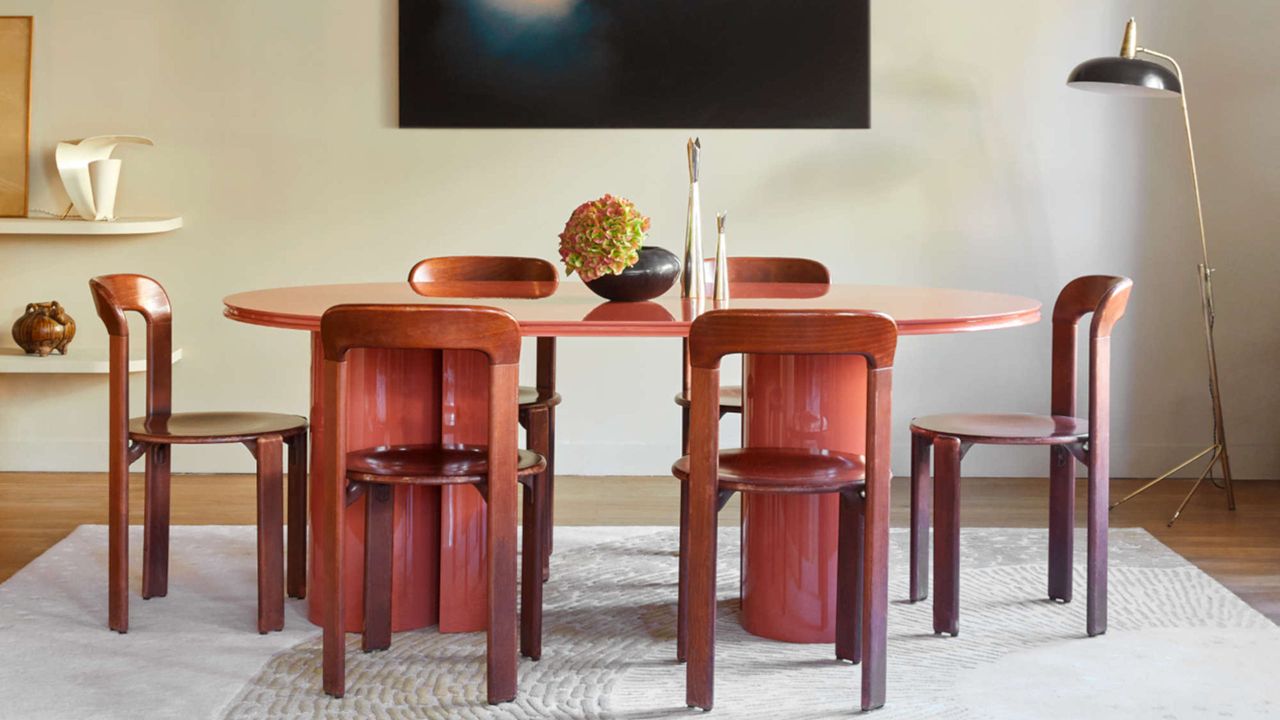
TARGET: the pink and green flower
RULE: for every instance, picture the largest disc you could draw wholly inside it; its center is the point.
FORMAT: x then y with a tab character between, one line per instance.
602	237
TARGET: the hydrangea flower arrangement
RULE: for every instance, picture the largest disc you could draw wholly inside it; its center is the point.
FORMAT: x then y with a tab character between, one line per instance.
602	237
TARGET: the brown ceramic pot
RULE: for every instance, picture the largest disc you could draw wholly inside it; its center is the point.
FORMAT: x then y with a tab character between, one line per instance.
44	328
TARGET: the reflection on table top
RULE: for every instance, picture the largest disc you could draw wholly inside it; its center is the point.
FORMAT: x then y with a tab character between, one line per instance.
572	310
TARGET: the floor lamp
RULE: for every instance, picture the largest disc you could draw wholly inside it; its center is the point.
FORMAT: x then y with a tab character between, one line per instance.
1126	74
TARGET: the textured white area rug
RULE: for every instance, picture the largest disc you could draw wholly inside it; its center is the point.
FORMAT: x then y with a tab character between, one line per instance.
1180	645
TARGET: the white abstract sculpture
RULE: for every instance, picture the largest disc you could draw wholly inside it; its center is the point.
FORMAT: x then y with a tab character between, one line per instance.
88	174
104	177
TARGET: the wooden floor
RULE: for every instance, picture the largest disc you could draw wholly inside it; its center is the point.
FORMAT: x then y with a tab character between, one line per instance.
1241	549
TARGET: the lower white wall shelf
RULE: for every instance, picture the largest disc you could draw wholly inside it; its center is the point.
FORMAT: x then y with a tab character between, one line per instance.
76	226
81	361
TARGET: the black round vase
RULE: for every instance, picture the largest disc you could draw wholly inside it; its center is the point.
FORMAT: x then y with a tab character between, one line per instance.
653	274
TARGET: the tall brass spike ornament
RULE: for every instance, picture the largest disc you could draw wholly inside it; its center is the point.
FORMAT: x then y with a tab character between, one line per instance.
721	289
692	284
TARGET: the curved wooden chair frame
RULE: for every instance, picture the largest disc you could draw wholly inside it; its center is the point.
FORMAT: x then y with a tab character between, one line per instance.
862	585
496	335
264	434
1069	439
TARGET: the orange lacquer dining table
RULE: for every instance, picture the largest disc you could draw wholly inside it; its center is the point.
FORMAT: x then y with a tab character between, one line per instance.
788	542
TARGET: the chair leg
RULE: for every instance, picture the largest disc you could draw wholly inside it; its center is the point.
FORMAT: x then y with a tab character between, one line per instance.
1062	512
297	548
500	542
701	600
546	381
270	533
946	535
378	547
684	430
682	582
334	644
549	524
1099	497
118	542
849	577
155	533
531	566
538	438
921	501
875	551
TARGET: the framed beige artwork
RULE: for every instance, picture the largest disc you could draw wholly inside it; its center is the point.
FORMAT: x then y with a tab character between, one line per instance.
15	113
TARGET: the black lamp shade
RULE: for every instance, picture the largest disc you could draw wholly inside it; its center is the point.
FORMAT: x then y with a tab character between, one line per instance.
1123	76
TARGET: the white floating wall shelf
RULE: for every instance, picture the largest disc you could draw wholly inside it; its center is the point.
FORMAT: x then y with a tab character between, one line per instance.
80	361
76	226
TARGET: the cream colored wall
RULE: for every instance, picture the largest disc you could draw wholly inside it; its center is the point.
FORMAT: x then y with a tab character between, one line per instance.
276	140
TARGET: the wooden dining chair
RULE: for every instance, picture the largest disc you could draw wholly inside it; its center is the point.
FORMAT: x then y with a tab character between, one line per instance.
481	276
154	434
747	270
1069	438
493	469
710	476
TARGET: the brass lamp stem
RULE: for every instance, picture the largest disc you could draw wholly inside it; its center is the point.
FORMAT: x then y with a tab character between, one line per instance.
1191	148
1218	450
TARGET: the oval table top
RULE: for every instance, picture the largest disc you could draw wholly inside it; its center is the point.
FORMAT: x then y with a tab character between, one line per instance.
572	310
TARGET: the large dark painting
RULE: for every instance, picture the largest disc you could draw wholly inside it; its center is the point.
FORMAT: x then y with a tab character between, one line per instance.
634	63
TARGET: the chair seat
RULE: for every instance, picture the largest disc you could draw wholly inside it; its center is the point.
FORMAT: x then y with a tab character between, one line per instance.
532	397
432	464
1005	428
213	427
783	470
730	399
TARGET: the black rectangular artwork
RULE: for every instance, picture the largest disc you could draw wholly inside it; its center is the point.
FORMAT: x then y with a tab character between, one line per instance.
635	63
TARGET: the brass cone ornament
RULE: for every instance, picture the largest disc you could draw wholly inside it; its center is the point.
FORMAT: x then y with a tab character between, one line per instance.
1129	45
721	288
692	284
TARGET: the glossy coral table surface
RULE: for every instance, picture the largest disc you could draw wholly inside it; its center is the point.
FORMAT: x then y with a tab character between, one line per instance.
573	310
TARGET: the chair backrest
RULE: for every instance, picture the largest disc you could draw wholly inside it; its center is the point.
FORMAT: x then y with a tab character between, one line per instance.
113	296
792	332
715	334
490	331
484	276
421	327
772	270
1105	296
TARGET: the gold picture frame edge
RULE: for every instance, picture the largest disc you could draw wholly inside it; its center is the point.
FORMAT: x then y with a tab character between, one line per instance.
26	173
